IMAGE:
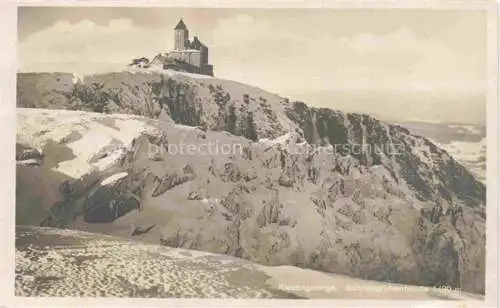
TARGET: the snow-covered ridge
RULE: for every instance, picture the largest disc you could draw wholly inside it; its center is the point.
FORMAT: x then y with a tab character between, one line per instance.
132	89
114	178
149	71
288	139
154	70
84	133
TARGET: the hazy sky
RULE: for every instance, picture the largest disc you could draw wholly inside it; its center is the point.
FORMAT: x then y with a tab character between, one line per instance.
401	64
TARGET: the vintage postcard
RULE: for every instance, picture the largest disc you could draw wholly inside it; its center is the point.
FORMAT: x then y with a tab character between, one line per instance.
172	152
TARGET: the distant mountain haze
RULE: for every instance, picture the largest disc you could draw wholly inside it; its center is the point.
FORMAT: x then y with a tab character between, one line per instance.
393	106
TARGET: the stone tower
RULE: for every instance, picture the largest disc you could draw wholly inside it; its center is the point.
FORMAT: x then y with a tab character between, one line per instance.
181	33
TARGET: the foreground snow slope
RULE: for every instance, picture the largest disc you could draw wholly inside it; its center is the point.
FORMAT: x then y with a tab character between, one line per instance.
55	262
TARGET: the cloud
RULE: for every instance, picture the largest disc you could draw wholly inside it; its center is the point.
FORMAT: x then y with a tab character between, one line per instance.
85	47
400	40
277	54
245	29
401	61
281	56
259	52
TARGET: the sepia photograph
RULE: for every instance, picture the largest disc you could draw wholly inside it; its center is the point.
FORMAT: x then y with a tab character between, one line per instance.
251	153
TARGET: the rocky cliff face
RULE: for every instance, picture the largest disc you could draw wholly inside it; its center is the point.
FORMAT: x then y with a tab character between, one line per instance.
295	188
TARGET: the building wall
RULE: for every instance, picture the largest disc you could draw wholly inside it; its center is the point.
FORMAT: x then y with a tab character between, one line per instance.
180	39
204	55
207	70
183	66
192	57
179	55
195	58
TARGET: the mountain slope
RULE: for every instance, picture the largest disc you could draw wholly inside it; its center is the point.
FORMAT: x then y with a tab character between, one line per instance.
289	193
189	99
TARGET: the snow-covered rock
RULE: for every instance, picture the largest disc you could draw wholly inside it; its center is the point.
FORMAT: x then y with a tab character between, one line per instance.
84	134
114	178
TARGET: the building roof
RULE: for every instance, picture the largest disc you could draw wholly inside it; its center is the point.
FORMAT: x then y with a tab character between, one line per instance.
180	25
196	44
